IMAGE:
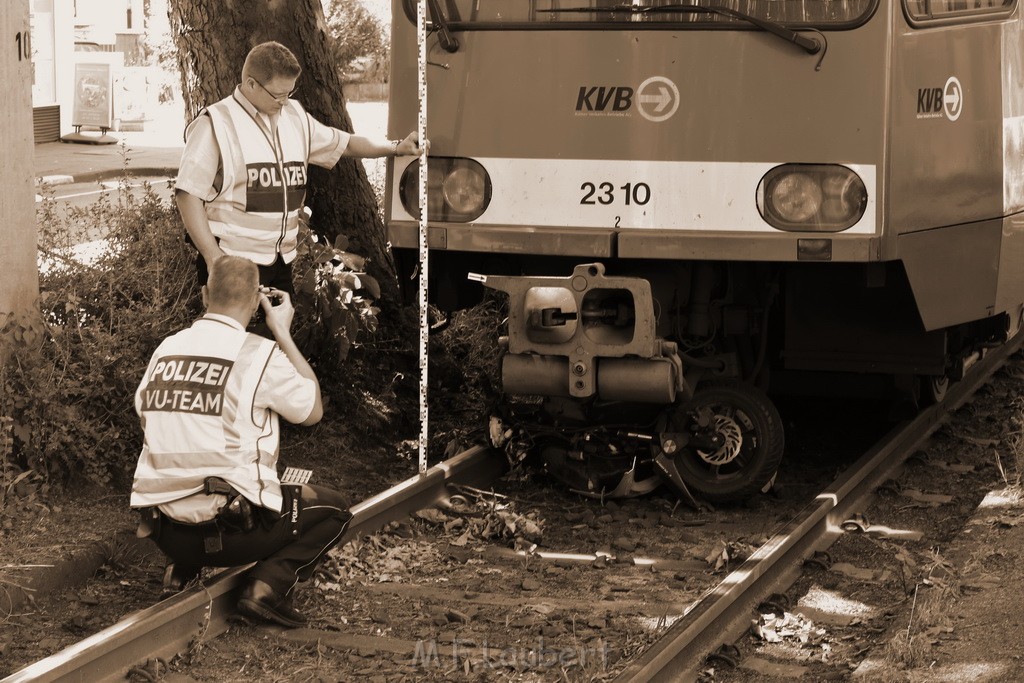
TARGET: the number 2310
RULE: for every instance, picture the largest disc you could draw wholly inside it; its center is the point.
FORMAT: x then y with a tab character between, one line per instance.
639	193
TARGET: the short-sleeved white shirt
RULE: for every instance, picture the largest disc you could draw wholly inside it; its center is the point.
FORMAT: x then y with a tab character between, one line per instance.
200	168
280	389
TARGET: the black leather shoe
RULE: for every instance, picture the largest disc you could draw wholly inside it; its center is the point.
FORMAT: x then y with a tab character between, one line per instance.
261	601
176	578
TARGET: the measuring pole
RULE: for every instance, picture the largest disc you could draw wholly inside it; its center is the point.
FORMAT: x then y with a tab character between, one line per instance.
421	37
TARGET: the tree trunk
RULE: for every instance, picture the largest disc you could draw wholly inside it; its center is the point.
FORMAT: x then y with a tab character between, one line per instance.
213	37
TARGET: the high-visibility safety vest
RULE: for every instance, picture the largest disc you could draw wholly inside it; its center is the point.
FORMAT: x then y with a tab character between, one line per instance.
199	419
256	213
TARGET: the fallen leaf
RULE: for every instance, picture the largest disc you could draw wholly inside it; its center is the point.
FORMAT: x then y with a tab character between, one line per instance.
980	442
930	498
981	581
432	515
859	573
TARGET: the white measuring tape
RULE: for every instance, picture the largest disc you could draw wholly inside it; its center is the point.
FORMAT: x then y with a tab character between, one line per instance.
421	36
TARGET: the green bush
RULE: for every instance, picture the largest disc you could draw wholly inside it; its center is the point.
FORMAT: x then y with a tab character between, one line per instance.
334	300
67	388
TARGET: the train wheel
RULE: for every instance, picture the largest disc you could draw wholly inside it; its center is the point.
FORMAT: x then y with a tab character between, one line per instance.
747	436
933	389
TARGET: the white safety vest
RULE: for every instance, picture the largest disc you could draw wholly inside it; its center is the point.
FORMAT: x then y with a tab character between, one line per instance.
256	213
197	407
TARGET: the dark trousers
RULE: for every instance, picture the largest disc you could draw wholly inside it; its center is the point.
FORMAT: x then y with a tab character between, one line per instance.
284	551
277	275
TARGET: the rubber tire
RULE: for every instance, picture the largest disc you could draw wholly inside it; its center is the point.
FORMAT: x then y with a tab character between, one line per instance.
763	457
930	393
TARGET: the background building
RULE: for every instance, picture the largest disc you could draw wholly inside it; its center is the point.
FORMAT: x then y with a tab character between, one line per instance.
106	34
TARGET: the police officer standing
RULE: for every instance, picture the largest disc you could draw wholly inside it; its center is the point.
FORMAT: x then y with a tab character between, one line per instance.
207	480
242	178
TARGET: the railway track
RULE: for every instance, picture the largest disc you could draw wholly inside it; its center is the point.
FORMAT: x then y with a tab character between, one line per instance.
170	626
723	614
654	606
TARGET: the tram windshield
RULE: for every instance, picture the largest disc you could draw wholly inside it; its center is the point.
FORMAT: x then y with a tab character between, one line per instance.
468	15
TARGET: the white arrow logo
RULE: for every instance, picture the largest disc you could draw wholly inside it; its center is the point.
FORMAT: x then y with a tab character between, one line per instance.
662	94
662	99
953	99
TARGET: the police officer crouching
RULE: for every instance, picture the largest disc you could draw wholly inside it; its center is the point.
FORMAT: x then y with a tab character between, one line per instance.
206	482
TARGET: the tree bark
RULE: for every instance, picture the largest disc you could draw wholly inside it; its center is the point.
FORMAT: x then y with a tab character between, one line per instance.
212	39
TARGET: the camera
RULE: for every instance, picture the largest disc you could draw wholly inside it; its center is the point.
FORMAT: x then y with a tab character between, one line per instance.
276	296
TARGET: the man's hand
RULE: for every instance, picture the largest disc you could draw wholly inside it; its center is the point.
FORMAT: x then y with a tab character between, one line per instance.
197	225
410	146
277	306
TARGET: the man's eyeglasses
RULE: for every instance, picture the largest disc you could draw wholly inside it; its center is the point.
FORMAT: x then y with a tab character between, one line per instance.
280	98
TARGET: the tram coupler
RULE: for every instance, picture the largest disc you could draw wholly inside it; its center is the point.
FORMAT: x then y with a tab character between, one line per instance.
588	335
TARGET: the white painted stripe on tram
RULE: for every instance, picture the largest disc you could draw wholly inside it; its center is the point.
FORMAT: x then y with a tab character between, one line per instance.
683	195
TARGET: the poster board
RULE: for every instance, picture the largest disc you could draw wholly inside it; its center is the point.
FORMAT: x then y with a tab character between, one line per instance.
93	104
93	96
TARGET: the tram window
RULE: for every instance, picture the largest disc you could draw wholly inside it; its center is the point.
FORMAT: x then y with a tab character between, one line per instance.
470	15
922	10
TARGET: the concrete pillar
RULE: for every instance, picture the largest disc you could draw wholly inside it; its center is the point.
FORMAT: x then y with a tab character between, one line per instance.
19	274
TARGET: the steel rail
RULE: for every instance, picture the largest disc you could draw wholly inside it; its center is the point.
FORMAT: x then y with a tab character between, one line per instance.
723	613
198	614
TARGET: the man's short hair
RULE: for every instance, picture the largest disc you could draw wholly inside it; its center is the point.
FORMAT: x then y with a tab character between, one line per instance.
233	282
267	61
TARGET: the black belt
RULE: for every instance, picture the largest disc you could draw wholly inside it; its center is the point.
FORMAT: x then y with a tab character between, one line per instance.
237	515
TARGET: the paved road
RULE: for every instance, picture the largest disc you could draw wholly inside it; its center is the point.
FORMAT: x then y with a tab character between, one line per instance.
84	194
73	212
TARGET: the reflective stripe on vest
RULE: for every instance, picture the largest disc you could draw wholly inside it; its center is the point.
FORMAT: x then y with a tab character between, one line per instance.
256	213
200	420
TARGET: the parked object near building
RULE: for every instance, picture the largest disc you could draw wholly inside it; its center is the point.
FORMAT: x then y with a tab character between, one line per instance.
73	43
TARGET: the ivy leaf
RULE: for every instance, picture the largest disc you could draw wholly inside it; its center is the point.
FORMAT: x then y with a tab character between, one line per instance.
352	261
341	242
322	255
308	285
370	285
344	345
334	326
23	432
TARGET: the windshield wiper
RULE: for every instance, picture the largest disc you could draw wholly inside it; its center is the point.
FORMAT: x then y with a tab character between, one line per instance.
444	36
810	45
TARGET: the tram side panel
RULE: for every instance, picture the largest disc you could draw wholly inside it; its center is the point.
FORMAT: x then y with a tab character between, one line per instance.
955	183
1010	285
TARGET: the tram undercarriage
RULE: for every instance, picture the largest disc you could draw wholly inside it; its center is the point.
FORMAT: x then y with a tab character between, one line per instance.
616	383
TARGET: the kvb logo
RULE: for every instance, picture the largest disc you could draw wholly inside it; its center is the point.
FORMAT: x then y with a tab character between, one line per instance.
657	99
933	103
599	98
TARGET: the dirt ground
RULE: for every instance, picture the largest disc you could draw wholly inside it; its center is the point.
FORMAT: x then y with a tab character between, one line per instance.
926	586
970	631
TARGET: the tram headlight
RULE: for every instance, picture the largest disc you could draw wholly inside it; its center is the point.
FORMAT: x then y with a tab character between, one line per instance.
811	197
463	190
458	189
